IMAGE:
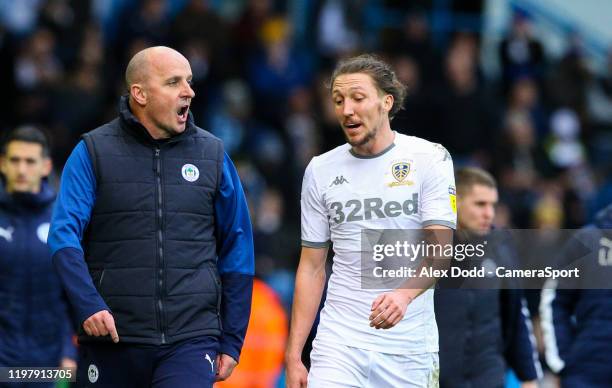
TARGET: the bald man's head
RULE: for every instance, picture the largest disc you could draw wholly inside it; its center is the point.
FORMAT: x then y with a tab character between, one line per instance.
136	69
140	67
160	93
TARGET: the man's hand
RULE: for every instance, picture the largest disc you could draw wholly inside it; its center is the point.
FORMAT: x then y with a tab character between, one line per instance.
296	375
389	308
225	366
529	384
100	324
68	363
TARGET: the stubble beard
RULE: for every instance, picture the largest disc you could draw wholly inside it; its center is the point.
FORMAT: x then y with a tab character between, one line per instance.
371	134
167	131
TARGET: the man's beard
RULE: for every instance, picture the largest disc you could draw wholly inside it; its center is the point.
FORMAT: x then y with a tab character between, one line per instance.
366	139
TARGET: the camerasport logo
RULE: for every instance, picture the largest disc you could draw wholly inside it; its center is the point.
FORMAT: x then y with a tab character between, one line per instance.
190	173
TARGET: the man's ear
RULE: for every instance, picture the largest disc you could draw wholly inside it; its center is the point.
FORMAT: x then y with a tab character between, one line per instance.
47	166
388	102
3	164
138	94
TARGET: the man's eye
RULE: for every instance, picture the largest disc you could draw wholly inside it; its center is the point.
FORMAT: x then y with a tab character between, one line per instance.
338	102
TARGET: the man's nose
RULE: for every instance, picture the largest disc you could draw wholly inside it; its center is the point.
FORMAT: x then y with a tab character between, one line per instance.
489	212
347	109
187	91
22	167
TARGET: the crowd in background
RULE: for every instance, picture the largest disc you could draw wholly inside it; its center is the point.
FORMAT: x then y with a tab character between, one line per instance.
543	127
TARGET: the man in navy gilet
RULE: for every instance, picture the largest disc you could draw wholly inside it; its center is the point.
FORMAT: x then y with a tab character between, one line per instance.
152	239
482	331
35	330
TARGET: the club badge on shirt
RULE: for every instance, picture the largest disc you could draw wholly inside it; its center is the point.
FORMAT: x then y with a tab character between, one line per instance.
190	172
400	171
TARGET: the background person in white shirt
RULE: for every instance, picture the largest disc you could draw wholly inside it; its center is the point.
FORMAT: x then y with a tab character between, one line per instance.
379	180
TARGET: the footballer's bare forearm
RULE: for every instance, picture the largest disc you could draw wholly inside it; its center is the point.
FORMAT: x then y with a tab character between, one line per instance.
436	234
309	286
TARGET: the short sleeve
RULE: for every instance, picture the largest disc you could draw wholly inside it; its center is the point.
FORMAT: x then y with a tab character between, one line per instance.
315	223
439	204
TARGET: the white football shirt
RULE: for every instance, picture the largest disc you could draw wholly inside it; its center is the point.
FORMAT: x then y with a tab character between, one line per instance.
410	185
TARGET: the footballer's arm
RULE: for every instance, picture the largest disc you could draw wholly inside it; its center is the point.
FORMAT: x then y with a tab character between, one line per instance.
389	308
309	286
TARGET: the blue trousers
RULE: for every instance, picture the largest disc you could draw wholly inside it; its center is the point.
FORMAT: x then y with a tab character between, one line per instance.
186	364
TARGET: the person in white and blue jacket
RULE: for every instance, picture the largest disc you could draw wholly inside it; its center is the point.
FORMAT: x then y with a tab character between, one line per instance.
152	239
35	329
577	318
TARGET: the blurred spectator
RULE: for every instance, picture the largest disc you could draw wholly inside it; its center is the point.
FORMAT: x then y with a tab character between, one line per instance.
569	79
231	119
524	97
301	127
414	41
521	54
603	195
336	35
577	320
91	49
248	25
82	93
37	71
277	70
564	148
463	107
517	159
414	118
548	210
83	90
567	154
599	98
253	182
269	152
272	236
149	22
66	20
203	35
35	330
19	17
37	64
